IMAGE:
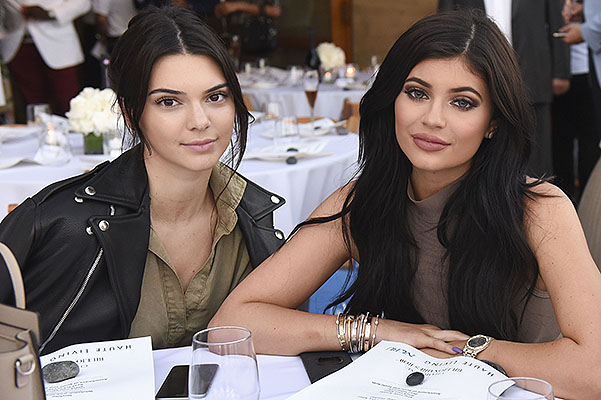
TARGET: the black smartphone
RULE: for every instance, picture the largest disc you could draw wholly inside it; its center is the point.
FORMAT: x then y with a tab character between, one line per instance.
175	385
319	364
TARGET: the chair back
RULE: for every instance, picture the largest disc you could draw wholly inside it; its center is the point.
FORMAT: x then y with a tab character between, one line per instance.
589	211
247	102
350	112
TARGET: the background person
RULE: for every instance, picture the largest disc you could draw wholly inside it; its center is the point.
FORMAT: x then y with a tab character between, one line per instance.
112	17
584	24
446	227
43	55
151	243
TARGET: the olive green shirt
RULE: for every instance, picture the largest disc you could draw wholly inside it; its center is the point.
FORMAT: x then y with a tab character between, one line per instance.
167	313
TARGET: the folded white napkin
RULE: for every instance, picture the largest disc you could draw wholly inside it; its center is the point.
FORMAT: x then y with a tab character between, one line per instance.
317	128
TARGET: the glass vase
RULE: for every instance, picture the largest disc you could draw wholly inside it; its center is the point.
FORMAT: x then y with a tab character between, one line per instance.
92	144
328	75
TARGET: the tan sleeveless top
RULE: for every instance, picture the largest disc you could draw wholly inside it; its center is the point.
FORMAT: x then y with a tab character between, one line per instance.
429	289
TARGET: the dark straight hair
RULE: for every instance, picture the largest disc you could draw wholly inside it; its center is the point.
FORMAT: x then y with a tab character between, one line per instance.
492	269
158	32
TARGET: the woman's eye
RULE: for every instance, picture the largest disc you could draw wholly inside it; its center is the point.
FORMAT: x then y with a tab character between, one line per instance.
167	102
463	104
217	97
416	93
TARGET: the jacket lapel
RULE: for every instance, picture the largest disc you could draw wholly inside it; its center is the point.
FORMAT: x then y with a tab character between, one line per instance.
123	184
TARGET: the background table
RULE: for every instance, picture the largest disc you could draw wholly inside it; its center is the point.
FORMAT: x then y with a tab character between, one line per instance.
303	185
329	103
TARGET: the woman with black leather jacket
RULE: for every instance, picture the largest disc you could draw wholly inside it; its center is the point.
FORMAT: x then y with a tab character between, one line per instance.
151	243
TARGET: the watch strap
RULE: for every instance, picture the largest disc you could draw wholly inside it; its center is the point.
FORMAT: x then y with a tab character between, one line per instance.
471	349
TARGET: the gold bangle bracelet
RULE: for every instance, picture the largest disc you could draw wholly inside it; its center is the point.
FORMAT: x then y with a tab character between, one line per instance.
367	333
340	336
373	336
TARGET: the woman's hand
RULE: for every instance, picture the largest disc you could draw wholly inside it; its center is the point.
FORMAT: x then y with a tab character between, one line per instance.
420	336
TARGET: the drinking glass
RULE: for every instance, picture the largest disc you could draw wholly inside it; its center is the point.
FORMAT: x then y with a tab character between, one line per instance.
54	147
286	131
311	84
34	113
520	388
227	352
111	143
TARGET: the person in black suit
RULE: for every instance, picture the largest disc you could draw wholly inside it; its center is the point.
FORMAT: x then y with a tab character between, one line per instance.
544	63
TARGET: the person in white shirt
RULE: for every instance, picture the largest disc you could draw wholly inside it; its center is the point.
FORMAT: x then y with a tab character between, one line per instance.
112	17
43	54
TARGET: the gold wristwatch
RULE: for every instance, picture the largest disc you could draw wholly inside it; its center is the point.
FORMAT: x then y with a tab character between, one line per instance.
475	345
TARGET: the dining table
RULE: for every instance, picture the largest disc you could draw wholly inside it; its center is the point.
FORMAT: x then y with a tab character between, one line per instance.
279	376
275	86
304	184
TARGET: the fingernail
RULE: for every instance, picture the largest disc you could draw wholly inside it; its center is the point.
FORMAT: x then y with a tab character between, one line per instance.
457	350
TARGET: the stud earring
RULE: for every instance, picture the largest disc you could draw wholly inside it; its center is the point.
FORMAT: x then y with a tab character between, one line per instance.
491	134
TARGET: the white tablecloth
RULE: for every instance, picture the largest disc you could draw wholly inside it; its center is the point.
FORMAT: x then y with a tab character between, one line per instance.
279	377
329	103
303	185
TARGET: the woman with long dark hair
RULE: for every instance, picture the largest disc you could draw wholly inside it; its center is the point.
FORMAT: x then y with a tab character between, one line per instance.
153	242
448	230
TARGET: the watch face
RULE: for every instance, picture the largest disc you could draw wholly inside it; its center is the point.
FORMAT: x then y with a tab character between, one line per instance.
476	342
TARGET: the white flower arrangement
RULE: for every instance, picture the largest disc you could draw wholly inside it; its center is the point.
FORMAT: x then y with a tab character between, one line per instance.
92	111
330	55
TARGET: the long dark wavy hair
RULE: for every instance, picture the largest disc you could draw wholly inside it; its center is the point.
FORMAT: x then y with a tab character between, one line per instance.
491	266
157	32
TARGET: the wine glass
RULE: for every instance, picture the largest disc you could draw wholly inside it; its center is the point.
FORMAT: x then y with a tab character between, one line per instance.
520	388
224	365
310	84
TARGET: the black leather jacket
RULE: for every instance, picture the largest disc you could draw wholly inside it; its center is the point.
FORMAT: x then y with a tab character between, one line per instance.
82	245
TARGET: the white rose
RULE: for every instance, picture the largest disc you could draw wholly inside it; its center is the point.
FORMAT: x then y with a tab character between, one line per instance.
92	111
330	55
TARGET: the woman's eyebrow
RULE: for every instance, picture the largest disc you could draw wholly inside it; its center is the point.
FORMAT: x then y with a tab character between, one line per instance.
165	90
466	89
179	92
417	80
217	87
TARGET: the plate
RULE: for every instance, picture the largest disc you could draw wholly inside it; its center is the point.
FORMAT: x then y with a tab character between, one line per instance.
94	158
320	127
17	131
283	152
356	86
264	85
7	162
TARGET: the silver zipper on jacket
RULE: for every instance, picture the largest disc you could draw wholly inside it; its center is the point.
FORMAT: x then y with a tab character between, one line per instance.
79	293
75	300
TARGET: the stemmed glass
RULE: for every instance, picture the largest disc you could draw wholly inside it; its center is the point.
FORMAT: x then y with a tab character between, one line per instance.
520	388
311	84
224	365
